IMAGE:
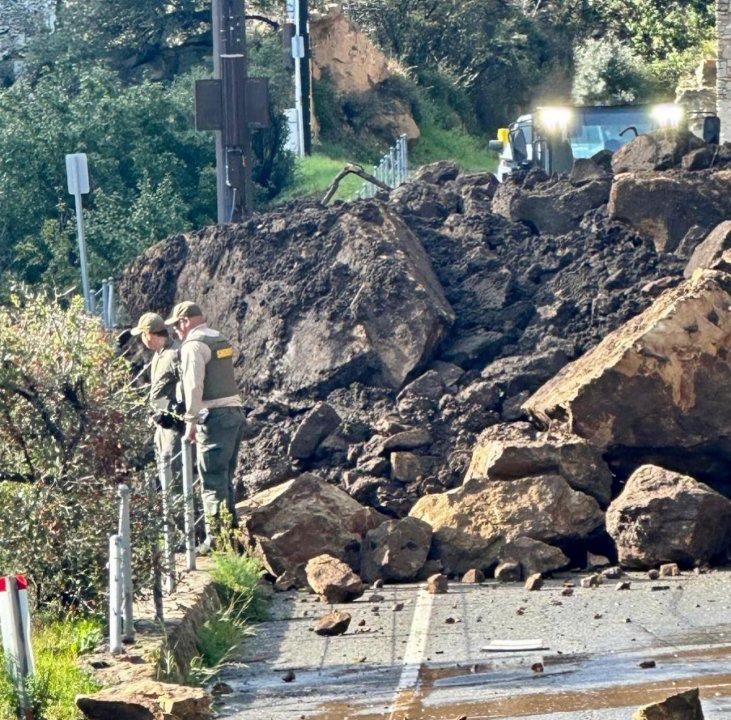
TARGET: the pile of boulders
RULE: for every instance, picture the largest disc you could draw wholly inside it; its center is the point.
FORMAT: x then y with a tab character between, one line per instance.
486	373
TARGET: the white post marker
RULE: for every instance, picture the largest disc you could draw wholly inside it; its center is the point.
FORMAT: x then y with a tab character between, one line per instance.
77	178
123	531
115	594
15	628
189	504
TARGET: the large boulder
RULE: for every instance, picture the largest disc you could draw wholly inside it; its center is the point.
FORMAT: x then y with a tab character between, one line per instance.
315	426
658	383
662	516
711	250
293	522
667	206
332	579
396	550
532	556
147	700
551	208
685	705
473	523
311	300
656	150
505	452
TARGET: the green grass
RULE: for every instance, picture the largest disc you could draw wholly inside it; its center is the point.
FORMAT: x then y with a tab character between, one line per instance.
469	152
314	175
238	584
244	602
52	691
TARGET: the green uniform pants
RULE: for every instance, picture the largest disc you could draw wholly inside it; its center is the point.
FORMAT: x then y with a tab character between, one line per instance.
218	441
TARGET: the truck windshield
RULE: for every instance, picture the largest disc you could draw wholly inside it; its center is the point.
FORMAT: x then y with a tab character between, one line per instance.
599	128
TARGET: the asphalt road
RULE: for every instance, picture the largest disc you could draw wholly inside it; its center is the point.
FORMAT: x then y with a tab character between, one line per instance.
434	658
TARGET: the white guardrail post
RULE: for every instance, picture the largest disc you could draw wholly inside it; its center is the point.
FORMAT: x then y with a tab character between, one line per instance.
189	503
115	594
166	487
127	588
393	169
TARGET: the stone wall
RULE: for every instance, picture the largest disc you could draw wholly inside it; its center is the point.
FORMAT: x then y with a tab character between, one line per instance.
723	65
19	21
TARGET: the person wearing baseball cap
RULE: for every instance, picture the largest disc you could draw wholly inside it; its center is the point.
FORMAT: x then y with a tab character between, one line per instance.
214	412
165	396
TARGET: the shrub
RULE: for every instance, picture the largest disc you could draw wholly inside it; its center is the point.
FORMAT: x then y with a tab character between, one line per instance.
71	431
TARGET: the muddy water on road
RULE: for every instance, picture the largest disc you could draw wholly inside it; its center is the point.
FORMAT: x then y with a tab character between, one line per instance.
424	703
436	659
420	705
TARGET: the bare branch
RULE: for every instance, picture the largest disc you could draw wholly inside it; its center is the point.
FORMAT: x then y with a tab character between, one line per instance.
355	170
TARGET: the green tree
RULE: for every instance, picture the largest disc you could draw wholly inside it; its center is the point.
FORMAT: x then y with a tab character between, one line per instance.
497	52
667	35
608	73
128	36
150	172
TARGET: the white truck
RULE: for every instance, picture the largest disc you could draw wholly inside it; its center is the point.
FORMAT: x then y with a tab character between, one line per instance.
552	137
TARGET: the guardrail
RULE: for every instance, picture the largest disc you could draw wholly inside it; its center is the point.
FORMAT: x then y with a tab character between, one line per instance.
121	622
392	170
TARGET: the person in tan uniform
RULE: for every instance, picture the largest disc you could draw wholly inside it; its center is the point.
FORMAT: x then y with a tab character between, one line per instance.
165	396
214	413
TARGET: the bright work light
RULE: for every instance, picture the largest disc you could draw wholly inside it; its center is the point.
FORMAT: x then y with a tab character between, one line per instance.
554	119
668	115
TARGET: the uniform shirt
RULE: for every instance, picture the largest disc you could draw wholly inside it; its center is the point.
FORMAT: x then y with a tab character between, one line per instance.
165	377
194	355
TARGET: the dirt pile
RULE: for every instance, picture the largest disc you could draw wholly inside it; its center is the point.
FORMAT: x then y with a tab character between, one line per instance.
419	318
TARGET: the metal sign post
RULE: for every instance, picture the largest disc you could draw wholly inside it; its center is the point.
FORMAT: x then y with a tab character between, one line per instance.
77	177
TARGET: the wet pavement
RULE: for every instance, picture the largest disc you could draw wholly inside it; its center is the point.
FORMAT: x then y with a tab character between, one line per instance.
409	654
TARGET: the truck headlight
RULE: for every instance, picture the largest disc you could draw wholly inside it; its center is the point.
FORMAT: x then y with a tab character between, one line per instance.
554	120
668	115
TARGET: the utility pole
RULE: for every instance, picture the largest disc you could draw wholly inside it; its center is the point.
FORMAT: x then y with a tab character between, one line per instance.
230	104
233	146
297	12
304	69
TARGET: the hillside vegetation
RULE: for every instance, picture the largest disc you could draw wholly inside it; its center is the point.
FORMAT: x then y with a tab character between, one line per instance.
116	82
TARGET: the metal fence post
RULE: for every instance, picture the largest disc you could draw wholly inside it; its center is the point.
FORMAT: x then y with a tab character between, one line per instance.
189	502
110	316
166	485
115	594
127	589
105	301
156	562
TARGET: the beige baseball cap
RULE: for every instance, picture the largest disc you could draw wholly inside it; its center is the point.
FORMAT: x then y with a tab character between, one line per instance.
185	309
149	322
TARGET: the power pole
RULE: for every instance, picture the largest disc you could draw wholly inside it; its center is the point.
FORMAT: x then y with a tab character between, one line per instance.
298	14
233	146
304	69
230	104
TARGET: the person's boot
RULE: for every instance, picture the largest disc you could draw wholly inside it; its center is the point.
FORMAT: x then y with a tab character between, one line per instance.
208	545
